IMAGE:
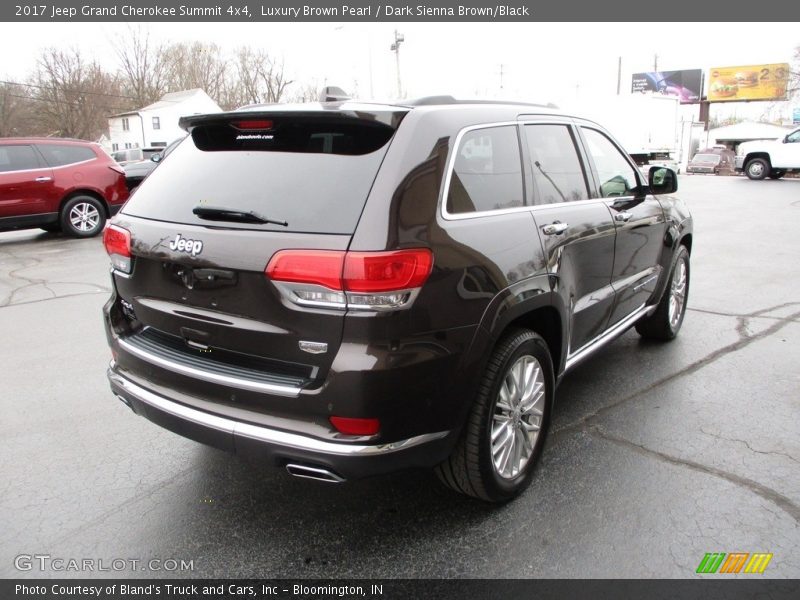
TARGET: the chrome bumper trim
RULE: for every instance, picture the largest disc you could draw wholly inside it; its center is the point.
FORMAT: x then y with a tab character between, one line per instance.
237	382
265	434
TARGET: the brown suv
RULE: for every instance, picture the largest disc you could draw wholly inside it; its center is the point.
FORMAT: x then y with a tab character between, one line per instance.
349	289
58	185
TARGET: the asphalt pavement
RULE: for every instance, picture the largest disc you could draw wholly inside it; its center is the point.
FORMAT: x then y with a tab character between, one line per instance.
658	453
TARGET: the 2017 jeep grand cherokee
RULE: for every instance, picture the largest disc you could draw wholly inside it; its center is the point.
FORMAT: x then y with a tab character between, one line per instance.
350	289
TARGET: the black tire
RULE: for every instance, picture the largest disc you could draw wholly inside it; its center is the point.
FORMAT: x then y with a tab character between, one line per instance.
83	216
52	228
470	469
777	173
757	168
659	325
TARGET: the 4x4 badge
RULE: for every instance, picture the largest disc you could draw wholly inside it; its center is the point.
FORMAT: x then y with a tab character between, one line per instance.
193	247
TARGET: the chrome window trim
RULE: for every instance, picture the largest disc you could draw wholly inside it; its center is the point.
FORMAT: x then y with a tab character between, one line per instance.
448	216
48	167
88	160
451	162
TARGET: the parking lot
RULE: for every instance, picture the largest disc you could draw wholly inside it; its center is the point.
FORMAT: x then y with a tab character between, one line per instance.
658	453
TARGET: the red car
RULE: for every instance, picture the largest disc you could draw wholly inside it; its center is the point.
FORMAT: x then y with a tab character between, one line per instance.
59	185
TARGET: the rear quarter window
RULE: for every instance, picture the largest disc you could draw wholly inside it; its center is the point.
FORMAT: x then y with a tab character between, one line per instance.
58	155
487	172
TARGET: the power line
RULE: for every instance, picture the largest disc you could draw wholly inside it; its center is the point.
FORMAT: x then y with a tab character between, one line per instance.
44	87
73	104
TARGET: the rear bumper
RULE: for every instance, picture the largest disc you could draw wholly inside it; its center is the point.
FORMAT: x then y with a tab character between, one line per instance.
350	460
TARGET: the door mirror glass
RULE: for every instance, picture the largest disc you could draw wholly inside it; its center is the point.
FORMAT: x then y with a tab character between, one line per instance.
662	180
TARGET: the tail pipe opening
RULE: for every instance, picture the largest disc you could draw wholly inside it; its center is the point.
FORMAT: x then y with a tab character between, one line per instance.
309	472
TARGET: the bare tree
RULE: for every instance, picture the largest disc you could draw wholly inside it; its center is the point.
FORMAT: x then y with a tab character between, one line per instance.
75	96
793	88
307	92
260	78
146	66
15	110
198	65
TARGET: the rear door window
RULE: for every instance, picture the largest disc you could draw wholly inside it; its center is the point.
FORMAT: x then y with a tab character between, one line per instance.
18	158
313	173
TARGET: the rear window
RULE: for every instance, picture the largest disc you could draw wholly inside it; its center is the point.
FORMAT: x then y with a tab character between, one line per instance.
711	158
313	173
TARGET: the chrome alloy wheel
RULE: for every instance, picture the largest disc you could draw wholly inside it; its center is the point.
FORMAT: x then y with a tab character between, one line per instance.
84	217
677	293
517	417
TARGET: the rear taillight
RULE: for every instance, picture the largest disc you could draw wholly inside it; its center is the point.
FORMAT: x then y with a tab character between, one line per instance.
354	280
320	267
386	271
117	241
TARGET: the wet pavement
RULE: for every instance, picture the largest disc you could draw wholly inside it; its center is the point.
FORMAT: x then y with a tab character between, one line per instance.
658	453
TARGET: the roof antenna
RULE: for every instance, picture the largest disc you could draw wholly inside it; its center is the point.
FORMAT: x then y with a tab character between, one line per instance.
332	93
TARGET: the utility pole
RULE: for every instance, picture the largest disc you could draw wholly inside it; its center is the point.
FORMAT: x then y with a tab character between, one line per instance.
501	76
399	38
655	62
619	75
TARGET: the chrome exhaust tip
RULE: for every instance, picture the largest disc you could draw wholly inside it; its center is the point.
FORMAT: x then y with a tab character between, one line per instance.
125	401
318	473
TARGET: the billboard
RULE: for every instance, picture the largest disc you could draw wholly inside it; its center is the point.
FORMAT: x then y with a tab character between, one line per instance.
685	85
751	82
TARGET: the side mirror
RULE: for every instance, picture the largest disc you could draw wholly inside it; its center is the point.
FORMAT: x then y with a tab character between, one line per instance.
156	157
662	180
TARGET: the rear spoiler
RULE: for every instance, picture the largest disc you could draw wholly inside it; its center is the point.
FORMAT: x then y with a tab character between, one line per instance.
387	116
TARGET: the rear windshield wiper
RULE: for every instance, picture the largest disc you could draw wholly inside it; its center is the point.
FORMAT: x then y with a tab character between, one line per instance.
238	216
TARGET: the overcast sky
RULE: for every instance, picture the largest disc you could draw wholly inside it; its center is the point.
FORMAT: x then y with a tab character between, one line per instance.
547	62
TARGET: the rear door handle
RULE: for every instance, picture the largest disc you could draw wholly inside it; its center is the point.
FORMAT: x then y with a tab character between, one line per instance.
43	179
555	228
623	217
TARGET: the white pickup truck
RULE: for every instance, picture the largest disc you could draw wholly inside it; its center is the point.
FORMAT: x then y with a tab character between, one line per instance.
770	158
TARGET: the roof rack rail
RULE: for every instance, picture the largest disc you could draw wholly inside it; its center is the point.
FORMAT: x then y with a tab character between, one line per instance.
431	101
440	100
